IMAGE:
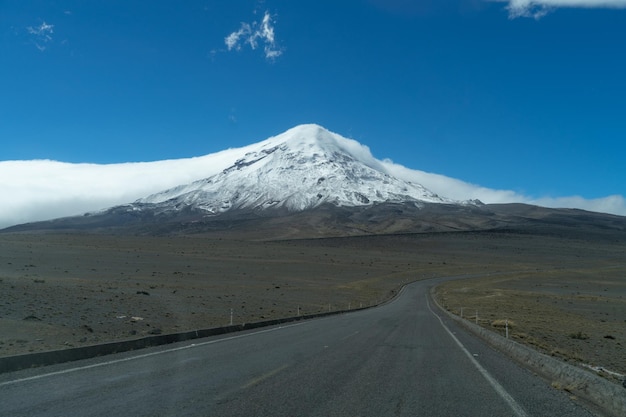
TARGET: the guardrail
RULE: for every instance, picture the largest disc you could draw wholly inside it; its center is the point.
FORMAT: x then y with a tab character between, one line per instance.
31	360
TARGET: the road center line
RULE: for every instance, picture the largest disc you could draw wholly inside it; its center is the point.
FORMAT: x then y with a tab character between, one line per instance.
145	355
257	380
350	335
517	409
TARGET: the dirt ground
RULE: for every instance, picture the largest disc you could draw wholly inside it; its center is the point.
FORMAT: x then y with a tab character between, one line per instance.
562	295
577	313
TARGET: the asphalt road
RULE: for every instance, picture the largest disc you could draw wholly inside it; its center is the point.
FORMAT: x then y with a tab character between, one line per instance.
400	359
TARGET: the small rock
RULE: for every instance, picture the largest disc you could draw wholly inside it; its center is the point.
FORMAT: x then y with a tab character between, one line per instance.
155	331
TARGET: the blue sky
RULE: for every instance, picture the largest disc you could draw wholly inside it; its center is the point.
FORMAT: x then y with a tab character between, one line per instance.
527	96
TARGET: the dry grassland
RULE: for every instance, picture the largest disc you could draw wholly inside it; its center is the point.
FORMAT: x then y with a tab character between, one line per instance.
577	314
564	296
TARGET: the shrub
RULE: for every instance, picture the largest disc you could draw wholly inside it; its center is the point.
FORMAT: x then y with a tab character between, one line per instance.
579	336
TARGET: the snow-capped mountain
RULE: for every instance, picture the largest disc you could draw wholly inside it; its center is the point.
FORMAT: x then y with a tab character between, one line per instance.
300	169
308	183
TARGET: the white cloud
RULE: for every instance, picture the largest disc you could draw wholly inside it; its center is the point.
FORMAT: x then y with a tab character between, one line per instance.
41	35
232	40
461	190
539	8
43	189
253	34
615	204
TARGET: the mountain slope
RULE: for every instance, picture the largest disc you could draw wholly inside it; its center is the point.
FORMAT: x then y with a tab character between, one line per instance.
303	168
309	182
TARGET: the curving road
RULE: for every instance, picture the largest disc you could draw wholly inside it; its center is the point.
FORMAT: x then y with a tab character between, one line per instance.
400	359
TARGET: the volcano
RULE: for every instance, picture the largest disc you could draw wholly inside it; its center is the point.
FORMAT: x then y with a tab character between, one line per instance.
301	169
310	182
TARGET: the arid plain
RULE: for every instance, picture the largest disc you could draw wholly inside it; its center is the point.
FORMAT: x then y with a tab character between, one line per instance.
564	295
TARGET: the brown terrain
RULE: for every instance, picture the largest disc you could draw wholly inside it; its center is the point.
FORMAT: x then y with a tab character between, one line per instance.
562	290
576	314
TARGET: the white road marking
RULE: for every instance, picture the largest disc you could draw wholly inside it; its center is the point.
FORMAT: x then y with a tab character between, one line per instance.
517	409
145	355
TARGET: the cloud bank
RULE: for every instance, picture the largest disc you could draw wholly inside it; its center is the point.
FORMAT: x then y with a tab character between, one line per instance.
253	34
461	190
43	189
539	8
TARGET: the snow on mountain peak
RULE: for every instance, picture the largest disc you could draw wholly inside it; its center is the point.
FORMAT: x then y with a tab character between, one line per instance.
312	138
302	168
